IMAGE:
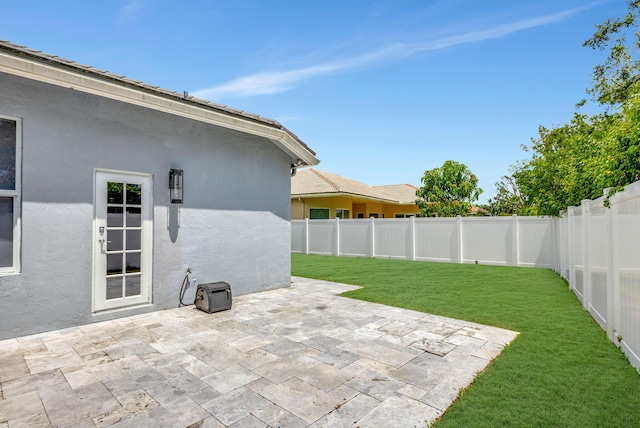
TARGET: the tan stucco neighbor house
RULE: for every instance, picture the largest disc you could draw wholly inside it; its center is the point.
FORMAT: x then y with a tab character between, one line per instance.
318	194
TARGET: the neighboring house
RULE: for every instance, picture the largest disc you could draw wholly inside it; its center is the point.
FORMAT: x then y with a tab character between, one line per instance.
317	194
88	229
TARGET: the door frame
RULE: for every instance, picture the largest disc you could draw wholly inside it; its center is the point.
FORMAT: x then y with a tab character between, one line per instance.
98	302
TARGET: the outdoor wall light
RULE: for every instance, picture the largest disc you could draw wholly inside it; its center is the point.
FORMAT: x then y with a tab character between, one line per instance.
295	165
175	186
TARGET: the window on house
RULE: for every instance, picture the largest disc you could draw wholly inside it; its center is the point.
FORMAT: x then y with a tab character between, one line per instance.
318	213
9	194
342	213
374	215
360	215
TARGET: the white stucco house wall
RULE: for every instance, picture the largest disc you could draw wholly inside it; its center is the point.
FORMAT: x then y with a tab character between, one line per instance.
87	228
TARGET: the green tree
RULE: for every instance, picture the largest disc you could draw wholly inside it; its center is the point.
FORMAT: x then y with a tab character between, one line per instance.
508	199
614	80
579	159
448	191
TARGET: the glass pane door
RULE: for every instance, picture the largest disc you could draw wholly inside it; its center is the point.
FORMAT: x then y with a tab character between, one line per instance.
123	256
123	234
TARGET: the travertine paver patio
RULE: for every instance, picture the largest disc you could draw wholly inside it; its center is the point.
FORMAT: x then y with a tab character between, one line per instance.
294	357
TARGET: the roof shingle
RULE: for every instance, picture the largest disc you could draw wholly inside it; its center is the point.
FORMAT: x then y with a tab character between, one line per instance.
310	181
403	193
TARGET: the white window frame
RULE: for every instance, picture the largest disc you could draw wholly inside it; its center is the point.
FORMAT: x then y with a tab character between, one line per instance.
342	210
16	195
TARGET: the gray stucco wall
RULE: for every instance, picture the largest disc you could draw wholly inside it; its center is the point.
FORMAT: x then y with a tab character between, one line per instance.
234	223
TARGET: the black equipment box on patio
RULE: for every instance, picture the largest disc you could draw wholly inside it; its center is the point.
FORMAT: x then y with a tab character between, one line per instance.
213	297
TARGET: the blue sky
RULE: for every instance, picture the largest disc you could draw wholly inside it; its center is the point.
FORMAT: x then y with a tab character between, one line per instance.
381	90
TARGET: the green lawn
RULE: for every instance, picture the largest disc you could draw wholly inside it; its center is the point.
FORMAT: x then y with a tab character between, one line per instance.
560	372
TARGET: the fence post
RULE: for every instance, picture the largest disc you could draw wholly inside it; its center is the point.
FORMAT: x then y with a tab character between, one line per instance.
413	238
570	234
586	263
306	236
556	257
566	246
459	224
615	317
373	237
609	263
514	237
554	245
337	236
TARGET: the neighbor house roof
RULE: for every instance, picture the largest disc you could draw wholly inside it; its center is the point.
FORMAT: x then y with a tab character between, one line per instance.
311	182
36	65
403	193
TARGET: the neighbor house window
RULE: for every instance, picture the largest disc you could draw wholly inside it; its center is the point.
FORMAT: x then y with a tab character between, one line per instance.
318	213
374	215
342	213
9	194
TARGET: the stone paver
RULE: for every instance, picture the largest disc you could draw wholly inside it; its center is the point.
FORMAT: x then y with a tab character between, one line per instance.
295	357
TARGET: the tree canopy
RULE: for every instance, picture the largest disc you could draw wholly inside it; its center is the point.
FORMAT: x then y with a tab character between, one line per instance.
579	159
614	80
448	191
508	199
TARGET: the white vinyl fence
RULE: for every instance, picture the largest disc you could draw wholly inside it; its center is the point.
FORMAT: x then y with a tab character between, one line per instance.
597	249
599	254
513	241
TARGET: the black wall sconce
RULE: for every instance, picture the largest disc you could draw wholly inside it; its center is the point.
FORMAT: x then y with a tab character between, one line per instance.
175	186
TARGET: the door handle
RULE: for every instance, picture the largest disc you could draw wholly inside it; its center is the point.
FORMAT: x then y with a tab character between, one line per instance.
102	241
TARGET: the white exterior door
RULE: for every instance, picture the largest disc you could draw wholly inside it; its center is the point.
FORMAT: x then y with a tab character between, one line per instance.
123	227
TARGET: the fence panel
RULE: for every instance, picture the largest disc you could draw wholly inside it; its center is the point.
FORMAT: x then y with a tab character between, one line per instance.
596	247
488	241
322	237
355	238
393	238
298	237
563	244
437	239
576	279
536	242
627	272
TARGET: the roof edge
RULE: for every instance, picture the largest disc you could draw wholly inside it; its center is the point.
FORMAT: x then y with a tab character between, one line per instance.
35	65
342	193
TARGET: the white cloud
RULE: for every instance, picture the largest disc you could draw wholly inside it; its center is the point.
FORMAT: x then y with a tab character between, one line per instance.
270	82
274	81
129	11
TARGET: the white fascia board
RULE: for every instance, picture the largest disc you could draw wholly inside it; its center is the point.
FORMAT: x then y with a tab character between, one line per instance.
78	81
348	195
